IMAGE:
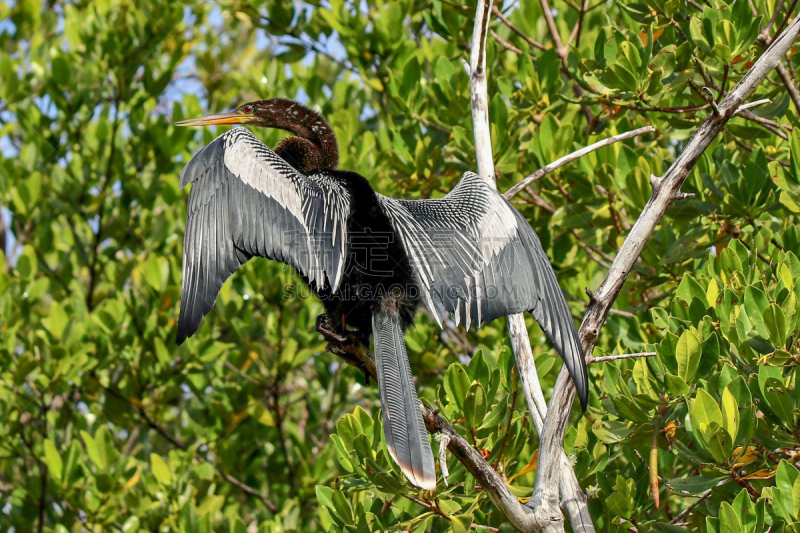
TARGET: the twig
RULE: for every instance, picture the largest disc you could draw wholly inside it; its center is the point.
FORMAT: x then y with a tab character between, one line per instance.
767	124
563	54
785	20
510	193
430	124
576	31
626	314
665	191
774	16
753	104
607	358
654	489
689	509
505	44
516	30
765	40
248	489
790	86
485	528
671	110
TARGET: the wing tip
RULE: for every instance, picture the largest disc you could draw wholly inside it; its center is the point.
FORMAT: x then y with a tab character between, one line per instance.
579	372
181	336
582	391
185	329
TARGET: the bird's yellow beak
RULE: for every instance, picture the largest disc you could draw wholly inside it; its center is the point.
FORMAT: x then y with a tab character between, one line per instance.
235	117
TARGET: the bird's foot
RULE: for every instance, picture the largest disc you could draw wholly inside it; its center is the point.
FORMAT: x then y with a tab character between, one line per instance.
338	343
325	327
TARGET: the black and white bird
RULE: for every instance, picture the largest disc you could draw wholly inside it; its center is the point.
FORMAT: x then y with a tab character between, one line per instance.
469	256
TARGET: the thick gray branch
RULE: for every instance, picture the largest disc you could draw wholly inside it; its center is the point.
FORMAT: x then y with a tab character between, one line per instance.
542	517
479	94
666	190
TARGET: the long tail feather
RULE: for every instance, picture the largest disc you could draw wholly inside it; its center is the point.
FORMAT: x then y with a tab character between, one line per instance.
406	436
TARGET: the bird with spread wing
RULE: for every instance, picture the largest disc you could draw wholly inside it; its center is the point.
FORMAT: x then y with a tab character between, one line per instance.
469	256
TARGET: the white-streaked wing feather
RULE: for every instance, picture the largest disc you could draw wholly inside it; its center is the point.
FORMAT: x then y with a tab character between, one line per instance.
477	258
246	201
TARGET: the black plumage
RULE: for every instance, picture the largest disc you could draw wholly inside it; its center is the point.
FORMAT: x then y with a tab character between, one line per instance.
371	259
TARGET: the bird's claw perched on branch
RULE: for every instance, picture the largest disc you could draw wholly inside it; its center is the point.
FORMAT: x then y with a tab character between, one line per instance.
326	328
341	344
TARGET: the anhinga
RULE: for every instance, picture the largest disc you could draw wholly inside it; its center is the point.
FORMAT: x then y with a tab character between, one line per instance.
370	259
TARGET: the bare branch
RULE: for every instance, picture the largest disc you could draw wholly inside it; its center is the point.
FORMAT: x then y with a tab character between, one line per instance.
790	86
753	104
689	509
524	518
764	39
665	190
513	191
607	358
769	125
505	44
563	54
479	93
516	30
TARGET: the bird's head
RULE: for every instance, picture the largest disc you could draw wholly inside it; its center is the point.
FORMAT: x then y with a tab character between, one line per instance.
270	113
285	114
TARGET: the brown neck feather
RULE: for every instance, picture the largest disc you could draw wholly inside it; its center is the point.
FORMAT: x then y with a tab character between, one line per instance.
314	146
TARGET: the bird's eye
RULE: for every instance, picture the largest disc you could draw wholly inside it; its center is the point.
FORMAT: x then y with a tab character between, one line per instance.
247	109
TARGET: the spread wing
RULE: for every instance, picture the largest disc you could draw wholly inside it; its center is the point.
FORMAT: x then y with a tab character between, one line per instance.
246	201
477	258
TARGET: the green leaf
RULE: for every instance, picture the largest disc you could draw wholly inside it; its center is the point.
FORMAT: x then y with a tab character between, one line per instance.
780	400
162	354
461	523
706	419
160	469
131	525
92	449
53	460
728	520
775	323
475	405
730	413
57	320
694	484
688	355
619	77
756	303
457	383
